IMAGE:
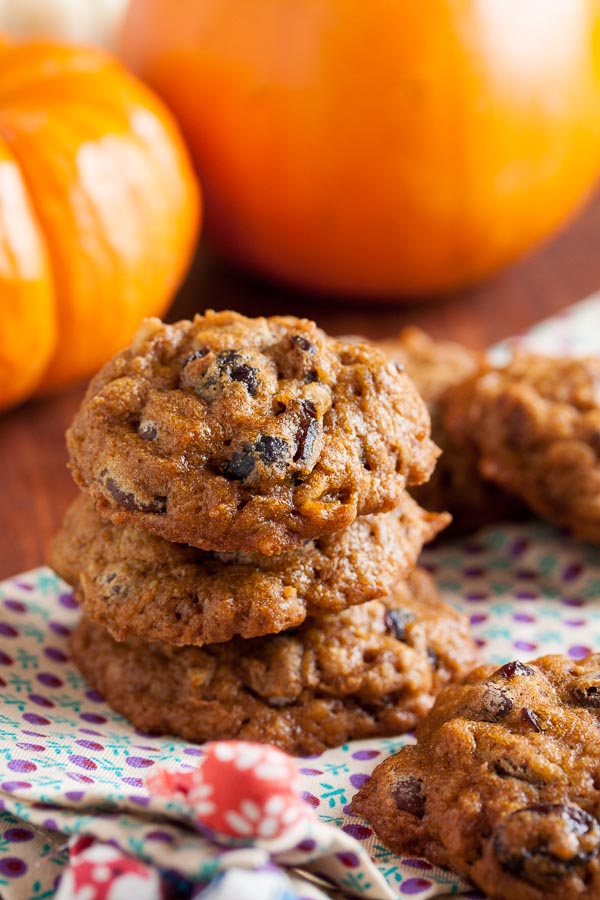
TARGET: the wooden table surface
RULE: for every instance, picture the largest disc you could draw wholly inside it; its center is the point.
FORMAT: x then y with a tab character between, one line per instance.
35	485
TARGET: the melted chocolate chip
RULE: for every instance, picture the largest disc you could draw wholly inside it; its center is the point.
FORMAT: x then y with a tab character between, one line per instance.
271	449
226	359
546	842
268	449
495	703
396	621
516	667
231	363
147	431
509	768
128	500
302	343
240	464
586	690
208	380
530	717
410	796
307	432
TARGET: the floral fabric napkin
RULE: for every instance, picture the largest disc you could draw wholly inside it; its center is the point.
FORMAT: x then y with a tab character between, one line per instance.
70	766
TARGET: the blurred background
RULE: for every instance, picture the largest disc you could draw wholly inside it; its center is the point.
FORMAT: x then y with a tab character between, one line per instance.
368	165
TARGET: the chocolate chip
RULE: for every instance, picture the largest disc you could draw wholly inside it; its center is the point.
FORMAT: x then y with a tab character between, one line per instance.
546	842
119	590
197	354
307	432
530	717
433	657
396	621
240	464
302	343
128	500
147	431
509	768
268	449
208	380
516	667
495	703
231	363
228	358
587	690
113	588
311	376
410	796
271	449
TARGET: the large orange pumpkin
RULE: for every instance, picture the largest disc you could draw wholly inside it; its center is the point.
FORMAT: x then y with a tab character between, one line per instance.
99	213
379	146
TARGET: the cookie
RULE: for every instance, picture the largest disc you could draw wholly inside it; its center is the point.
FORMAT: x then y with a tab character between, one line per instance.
504	784
433	365
535	427
457	485
230	434
373	669
140	585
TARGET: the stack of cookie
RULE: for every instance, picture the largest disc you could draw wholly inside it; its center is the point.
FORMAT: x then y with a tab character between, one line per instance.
245	547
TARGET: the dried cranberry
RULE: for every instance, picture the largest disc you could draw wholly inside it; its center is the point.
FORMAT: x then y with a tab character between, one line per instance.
410	796
514	668
396	621
302	343
546	842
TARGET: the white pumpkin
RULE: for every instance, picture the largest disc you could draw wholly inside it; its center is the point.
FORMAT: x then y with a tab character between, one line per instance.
85	21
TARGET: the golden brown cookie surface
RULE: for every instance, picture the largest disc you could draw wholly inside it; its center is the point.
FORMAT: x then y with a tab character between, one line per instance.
372	669
504	783
140	585
231	433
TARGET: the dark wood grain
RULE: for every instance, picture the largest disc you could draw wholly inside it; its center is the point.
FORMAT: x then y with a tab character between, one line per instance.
35	484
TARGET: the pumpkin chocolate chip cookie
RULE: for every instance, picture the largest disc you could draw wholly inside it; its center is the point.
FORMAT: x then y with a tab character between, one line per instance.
457	485
140	585
504	784
535	427
372	669
229	433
